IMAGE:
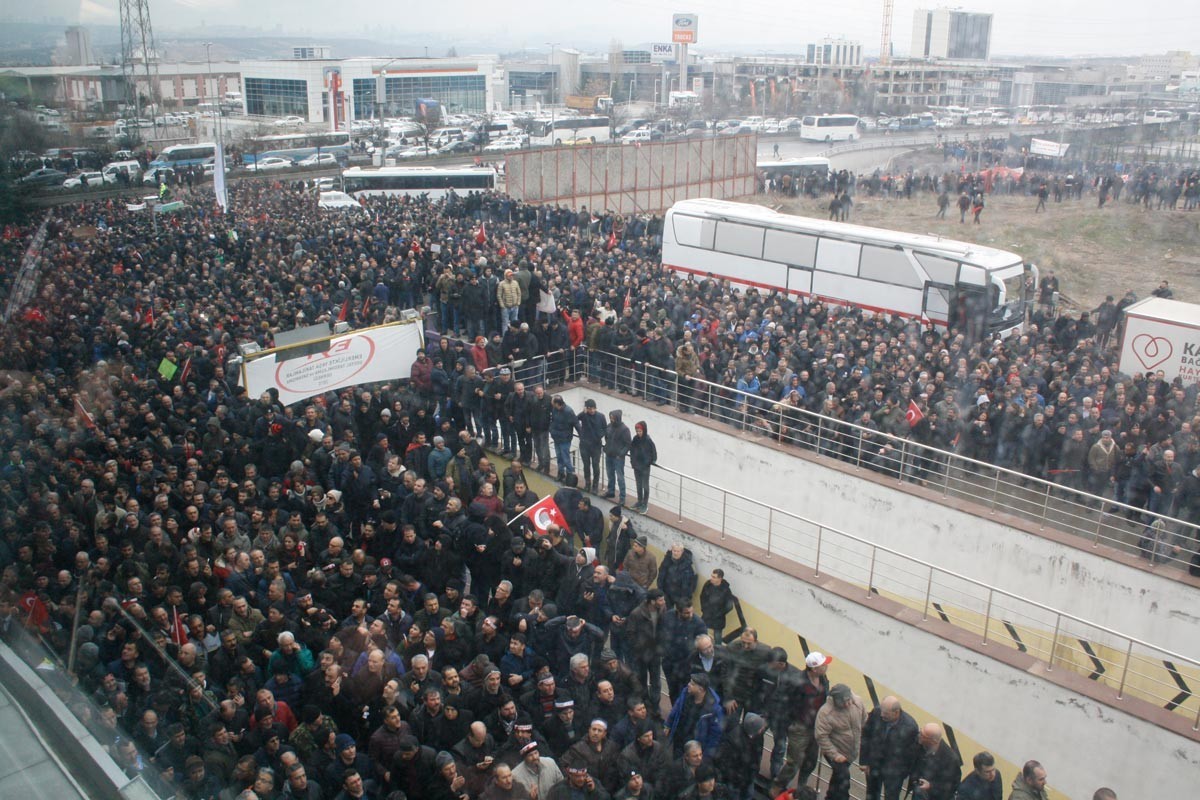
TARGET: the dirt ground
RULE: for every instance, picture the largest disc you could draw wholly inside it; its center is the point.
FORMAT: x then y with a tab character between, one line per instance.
1093	251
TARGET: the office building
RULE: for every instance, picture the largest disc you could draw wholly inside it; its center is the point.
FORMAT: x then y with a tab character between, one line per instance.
944	33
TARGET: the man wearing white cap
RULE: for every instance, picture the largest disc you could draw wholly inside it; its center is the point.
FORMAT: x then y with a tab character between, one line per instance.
801	756
537	771
599	755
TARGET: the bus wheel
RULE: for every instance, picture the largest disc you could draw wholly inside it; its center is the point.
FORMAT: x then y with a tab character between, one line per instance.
557	142
592	139
828	139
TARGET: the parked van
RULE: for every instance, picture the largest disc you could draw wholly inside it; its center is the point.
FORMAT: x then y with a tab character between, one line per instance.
113	172
636	137
446	135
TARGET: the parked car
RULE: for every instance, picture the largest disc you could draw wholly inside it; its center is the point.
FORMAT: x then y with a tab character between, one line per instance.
270	163
338	200
457	147
44	177
156	175
93	179
318	160
289	122
502	146
420	151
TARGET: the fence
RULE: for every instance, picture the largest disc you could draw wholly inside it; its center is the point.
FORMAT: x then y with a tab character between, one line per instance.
1098	520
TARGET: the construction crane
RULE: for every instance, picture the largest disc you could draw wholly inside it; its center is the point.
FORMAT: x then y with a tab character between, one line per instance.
137	40
885	40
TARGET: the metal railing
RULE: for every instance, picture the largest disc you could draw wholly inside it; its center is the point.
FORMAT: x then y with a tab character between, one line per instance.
1097	520
1000	618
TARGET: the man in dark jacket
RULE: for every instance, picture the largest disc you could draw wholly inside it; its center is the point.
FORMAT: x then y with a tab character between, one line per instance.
676	575
938	769
591	427
889	749
680	628
562	430
740	754
617	439
716	601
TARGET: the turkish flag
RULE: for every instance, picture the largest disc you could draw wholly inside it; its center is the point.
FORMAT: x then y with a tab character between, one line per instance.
481	234
913	414
82	413
36	613
345	310
179	633
611	243
542	514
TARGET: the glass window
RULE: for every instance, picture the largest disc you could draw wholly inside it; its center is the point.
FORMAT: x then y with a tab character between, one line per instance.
276	97
888	265
694	231
790	248
739	240
941	270
838	256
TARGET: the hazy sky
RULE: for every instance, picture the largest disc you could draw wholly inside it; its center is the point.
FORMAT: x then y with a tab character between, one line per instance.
1035	27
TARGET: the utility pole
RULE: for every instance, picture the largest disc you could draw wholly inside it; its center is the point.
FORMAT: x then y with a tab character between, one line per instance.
137	35
554	82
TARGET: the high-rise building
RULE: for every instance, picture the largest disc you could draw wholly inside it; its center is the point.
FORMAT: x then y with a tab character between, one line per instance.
950	34
79	47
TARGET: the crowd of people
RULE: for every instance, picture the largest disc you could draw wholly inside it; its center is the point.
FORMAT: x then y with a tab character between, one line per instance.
329	600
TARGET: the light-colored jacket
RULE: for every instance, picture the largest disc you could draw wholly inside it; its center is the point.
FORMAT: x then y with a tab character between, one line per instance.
508	293
643	569
546	778
839	730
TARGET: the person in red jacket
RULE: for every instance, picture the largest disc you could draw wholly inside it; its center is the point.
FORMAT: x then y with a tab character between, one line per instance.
575	336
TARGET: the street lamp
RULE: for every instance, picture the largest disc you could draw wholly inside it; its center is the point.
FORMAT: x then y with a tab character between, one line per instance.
215	106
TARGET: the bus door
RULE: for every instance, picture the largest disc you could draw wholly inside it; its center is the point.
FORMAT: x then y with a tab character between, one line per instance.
940	302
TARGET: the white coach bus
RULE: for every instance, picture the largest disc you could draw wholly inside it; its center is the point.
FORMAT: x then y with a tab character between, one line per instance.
934	280
830	128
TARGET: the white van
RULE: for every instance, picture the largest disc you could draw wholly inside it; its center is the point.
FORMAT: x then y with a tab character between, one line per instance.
446	135
636	137
112	172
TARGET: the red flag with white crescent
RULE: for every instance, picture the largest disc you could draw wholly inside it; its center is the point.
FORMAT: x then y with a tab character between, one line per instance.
481	234
542	514
914	414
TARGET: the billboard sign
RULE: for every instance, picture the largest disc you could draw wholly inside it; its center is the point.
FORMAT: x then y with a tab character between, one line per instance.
684	28
662	51
383	353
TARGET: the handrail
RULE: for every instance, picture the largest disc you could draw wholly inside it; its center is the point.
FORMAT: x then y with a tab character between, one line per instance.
929	565
1136	652
1097	512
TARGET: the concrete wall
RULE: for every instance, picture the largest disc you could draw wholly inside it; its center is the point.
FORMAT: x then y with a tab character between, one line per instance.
1016	714
1137	603
631	179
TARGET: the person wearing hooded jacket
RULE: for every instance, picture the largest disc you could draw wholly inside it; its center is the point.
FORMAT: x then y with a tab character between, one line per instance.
617	440
642	455
740	754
